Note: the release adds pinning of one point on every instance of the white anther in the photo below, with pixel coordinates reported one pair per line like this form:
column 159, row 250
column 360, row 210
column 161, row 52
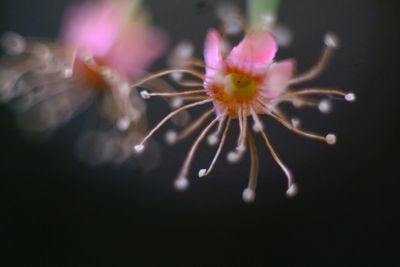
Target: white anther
column 184, row 50
column 212, row 139
column 257, row 127
column 177, row 102
column 233, row 157
column 325, row 106
column 331, row 139
column 350, row 97
column 123, row 123
column 248, row 195
column 145, row 94
column 295, row 122
column 68, row 71
column 331, row 40
column 292, row 191
column 181, row 183
column 139, row 148
column 170, row 137
column 202, row 172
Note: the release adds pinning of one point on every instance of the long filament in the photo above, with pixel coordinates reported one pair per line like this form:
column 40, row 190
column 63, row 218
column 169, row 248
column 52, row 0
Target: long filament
column 278, row 160
column 254, row 162
column 166, row 72
column 319, row 67
column 193, row 126
column 296, row 130
column 176, row 94
column 169, row 116
column 185, row 167
column 220, row 146
column 314, row 91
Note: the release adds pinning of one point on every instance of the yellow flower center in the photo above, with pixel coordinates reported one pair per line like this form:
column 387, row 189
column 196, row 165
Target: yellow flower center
column 239, row 88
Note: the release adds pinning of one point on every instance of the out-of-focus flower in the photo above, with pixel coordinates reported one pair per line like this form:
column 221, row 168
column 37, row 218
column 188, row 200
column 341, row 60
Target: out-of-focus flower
column 103, row 46
column 241, row 84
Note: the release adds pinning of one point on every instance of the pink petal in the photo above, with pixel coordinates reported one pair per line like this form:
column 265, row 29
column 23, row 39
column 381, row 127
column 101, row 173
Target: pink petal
column 92, row 26
column 212, row 51
column 254, row 53
column 277, row 78
column 136, row 49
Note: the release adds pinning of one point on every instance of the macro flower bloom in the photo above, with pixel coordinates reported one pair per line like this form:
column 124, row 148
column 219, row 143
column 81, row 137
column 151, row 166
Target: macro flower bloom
column 103, row 46
column 242, row 85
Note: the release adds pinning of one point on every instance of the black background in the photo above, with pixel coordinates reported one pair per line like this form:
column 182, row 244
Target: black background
column 57, row 211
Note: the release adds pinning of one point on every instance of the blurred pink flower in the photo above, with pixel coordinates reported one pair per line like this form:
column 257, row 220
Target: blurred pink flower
column 104, row 45
column 114, row 33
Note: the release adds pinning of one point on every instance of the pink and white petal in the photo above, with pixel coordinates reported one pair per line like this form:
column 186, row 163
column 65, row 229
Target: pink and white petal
column 212, row 52
column 254, row 53
column 277, row 78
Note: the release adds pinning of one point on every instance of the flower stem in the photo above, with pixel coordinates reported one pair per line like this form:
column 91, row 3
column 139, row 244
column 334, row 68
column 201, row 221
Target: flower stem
column 262, row 13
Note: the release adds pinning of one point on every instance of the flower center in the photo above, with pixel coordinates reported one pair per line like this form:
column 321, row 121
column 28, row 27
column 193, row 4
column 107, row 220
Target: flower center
column 239, row 87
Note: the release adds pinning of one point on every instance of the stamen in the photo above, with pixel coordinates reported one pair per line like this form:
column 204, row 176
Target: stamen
column 166, row 72
column 189, row 83
column 294, row 129
column 194, row 125
column 258, row 125
column 280, row 163
column 331, row 43
column 249, row 193
column 236, row 155
column 214, row 137
column 204, row 172
column 313, row 92
column 186, row 165
column 140, row 146
column 147, row 95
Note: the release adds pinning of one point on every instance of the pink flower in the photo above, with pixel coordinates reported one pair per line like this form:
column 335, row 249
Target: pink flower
column 247, row 76
column 107, row 31
column 243, row 85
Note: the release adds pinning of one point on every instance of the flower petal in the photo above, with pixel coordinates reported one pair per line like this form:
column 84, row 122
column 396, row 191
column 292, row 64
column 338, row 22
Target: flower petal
column 277, row 78
column 212, row 51
column 92, row 26
column 254, row 53
column 135, row 49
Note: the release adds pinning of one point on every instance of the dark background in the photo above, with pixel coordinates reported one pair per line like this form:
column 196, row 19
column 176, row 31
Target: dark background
column 57, row 211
